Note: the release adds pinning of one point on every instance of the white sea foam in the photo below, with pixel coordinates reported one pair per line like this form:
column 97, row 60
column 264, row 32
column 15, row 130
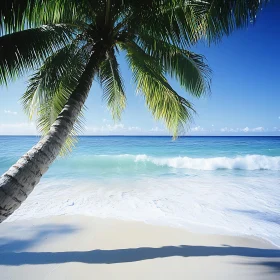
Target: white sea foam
column 212, row 204
column 248, row 162
column 125, row 161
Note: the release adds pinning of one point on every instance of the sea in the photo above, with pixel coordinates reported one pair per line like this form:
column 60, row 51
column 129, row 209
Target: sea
column 215, row 185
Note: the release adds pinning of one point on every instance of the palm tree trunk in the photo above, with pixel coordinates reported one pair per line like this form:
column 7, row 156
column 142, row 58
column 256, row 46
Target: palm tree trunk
column 19, row 181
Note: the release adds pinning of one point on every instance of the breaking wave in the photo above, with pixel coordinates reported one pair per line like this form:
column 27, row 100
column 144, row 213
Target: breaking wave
column 126, row 162
column 248, row 162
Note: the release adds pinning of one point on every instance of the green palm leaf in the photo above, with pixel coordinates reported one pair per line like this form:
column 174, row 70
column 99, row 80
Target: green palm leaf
column 173, row 21
column 112, row 84
column 51, row 86
column 186, row 67
column 223, row 17
column 26, row 50
column 164, row 102
column 19, row 15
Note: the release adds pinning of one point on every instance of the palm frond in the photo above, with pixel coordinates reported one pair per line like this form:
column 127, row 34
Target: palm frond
column 185, row 66
column 26, row 50
column 163, row 101
column 173, row 21
column 223, row 17
column 24, row 14
column 13, row 15
column 112, row 84
column 51, row 86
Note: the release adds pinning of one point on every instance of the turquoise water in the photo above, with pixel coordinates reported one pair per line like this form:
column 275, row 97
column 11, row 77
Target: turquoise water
column 210, row 184
column 95, row 157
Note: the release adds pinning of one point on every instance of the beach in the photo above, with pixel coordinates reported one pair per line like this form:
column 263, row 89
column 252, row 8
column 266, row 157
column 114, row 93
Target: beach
column 117, row 162
column 81, row 247
column 148, row 208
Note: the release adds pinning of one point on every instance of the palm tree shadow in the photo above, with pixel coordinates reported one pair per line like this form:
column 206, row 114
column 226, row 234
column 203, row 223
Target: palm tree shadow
column 132, row 255
column 14, row 252
column 41, row 233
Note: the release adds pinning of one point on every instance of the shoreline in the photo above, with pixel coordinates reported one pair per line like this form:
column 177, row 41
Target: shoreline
column 197, row 207
column 78, row 247
column 192, row 227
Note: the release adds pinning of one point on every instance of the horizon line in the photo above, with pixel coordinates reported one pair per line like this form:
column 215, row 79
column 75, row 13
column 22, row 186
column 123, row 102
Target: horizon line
column 121, row 135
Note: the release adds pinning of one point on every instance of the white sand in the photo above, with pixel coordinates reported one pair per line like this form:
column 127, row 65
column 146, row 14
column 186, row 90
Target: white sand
column 79, row 247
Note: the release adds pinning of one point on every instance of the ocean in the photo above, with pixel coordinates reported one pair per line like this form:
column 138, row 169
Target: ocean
column 224, row 185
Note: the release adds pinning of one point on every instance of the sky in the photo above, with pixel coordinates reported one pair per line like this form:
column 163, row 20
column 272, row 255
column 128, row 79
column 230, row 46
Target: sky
column 244, row 100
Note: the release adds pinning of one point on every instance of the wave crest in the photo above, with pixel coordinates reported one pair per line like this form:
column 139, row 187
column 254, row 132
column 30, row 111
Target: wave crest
column 248, row 162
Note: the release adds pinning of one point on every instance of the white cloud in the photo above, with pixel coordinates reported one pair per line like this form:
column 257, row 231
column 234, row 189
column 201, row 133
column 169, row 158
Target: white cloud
column 275, row 128
column 23, row 128
column 258, row 129
column 134, row 128
column 114, row 127
column 111, row 129
column 227, row 129
column 26, row 128
column 245, row 129
column 10, row 112
column 157, row 129
column 197, row 129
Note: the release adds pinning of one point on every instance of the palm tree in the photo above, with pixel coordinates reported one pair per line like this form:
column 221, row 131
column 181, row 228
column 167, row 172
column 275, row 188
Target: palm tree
column 69, row 43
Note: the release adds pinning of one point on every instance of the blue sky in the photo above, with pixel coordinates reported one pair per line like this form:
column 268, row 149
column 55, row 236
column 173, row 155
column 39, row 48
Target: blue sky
column 244, row 101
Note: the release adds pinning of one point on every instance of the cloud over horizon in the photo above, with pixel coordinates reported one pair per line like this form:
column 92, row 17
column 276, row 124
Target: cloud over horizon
column 20, row 128
column 10, row 112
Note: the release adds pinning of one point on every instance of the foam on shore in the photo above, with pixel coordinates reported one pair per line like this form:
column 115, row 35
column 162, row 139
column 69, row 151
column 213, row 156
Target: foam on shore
column 224, row 204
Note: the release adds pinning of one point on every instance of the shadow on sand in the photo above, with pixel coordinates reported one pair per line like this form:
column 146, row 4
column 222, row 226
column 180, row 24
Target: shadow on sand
column 134, row 255
column 38, row 233
column 14, row 252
